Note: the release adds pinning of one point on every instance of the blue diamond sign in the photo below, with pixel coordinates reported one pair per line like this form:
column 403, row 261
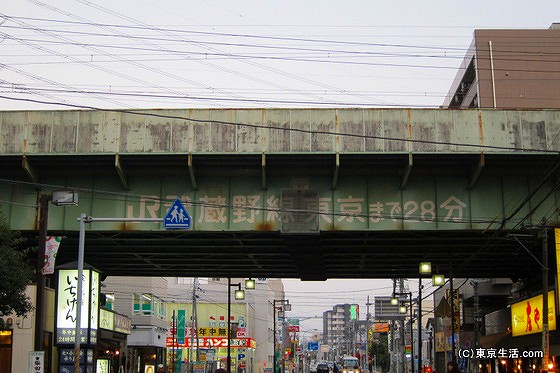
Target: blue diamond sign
column 177, row 217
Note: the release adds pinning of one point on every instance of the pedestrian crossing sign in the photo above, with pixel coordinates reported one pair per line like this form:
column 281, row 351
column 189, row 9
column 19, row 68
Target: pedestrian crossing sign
column 177, row 217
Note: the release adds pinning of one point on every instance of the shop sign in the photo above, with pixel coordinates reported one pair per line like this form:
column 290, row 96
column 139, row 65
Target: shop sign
column 123, row 324
column 106, row 320
column 527, row 316
column 212, row 343
column 199, row 367
column 381, row 327
column 241, row 332
column 67, row 302
column 293, row 328
column 102, row 366
column 113, row 321
column 36, row 360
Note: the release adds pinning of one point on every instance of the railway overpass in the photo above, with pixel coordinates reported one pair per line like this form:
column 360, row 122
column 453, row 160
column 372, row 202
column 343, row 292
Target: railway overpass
column 290, row 193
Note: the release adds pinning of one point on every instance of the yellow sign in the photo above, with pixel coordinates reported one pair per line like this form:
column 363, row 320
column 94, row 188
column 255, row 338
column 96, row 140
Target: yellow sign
column 442, row 342
column 106, row 319
column 527, row 316
column 557, row 244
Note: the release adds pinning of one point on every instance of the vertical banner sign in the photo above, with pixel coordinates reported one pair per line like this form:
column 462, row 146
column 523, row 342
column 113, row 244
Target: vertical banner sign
column 102, row 366
column 354, row 312
column 67, row 301
column 36, row 362
column 557, row 244
column 181, row 326
column 51, row 248
column 94, row 307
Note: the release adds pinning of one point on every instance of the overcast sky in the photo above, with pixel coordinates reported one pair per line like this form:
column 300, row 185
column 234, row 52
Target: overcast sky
column 246, row 53
column 311, row 298
column 124, row 54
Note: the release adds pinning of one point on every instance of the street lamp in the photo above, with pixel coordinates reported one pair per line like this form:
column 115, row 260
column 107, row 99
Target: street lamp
column 284, row 306
column 306, row 360
column 425, row 268
column 402, row 310
column 438, row 280
column 249, row 284
column 58, row 198
column 238, row 295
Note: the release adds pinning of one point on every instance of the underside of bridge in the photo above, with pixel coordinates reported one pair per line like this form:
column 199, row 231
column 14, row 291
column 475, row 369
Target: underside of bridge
column 326, row 254
column 322, row 256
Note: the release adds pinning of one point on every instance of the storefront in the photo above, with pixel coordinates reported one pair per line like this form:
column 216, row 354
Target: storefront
column 6, row 346
column 518, row 347
column 212, row 351
column 110, row 352
column 205, row 347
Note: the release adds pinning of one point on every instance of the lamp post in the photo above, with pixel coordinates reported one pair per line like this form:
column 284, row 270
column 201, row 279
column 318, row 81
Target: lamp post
column 239, row 295
column 437, row 281
column 39, row 303
column 402, row 309
column 306, row 360
column 58, row 198
column 425, row 268
column 475, row 282
column 285, row 306
column 72, row 198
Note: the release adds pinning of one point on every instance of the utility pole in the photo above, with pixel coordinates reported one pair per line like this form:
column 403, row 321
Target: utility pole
column 194, row 323
column 392, row 346
column 452, row 301
column 545, row 332
column 544, row 266
column 475, row 282
column 419, row 321
column 367, row 332
column 174, row 336
column 452, row 292
column 402, row 351
column 476, row 322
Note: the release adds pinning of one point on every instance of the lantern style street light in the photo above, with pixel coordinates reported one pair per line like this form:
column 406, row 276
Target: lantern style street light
column 284, row 305
column 438, row 280
column 425, row 268
column 57, row 198
column 402, row 309
column 239, row 294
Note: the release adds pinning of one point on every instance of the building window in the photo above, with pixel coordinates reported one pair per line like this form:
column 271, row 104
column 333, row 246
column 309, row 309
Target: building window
column 142, row 304
column 148, row 304
column 159, row 308
column 110, row 301
column 184, row 280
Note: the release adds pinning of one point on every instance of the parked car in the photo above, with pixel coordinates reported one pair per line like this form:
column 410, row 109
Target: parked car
column 327, row 367
column 323, row 368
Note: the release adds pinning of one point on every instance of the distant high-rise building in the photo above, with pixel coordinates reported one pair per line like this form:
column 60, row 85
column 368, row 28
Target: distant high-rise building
column 339, row 329
column 509, row 69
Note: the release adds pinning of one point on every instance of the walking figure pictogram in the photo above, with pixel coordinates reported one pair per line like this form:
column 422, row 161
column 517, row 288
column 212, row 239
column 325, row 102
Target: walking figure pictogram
column 177, row 217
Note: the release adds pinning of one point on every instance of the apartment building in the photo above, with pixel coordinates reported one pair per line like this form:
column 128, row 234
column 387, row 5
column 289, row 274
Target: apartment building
column 509, row 69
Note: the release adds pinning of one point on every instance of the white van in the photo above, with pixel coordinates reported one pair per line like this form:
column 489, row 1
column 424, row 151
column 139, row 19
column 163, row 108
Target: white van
column 351, row 364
